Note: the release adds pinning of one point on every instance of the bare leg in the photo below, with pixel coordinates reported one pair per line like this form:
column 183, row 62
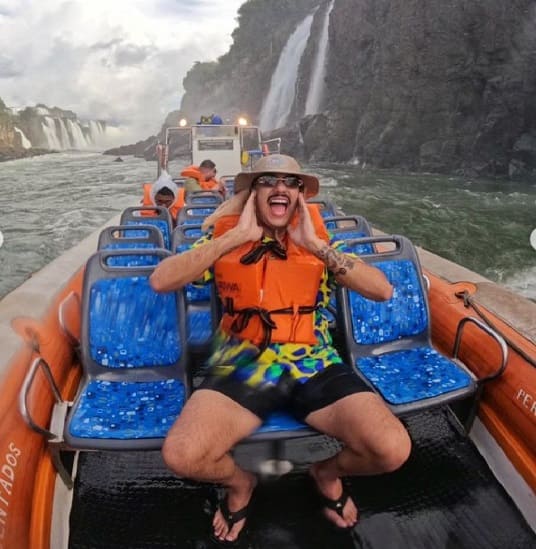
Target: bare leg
column 198, row 444
column 375, row 442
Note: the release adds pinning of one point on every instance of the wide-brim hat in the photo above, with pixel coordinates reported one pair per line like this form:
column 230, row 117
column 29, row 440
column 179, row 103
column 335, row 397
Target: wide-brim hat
column 277, row 163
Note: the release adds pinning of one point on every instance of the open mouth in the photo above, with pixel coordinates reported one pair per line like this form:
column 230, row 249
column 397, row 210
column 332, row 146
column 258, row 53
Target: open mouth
column 278, row 205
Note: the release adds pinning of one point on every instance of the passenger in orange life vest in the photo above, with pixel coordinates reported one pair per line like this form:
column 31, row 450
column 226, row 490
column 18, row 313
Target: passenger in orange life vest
column 164, row 192
column 273, row 267
column 202, row 178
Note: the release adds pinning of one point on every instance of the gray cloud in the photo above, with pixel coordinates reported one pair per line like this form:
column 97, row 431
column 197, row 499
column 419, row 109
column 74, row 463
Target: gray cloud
column 105, row 45
column 105, row 62
column 131, row 54
column 8, row 67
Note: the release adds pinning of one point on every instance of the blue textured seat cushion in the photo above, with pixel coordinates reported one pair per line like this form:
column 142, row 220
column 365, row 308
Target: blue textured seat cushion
column 358, row 249
column 192, row 220
column 281, row 421
column 131, row 260
column 405, row 314
column 195, row 293
column 412, row 375
column 159, row 223
column 203, row 199
column 199, row 211
column 193, row 232
column 131, row 326
column 199, row 326
column 127, row 410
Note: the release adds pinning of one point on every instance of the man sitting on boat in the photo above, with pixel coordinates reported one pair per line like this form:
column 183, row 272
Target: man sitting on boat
column 164, row 192
column 273, row 267
column 202, row 178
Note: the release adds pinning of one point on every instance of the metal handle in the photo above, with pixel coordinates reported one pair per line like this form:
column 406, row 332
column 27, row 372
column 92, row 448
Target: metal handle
column 336, row 218
column 129, row 213
column 105, row 254
column 25, row 389
column 426, row 282
column 498, row 338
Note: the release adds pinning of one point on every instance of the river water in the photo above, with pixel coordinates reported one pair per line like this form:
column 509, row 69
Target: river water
column 49, row 203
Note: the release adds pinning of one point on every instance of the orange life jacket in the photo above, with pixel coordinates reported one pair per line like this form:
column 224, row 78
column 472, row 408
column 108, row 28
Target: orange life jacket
column 270, row 299
column 173, row 209
column 195, row 173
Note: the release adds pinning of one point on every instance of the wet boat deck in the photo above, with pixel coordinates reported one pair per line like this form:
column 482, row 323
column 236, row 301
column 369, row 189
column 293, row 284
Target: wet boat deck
column 445, row 496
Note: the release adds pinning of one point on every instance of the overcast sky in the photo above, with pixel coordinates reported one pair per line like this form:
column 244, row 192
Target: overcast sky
column 117, row 60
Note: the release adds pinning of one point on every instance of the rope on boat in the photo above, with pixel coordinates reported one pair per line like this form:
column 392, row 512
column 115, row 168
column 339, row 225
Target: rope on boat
column 468, row 301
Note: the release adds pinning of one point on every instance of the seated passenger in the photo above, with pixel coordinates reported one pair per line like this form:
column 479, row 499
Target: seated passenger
column 164, row 192
column 202, row 178
column 273, row 266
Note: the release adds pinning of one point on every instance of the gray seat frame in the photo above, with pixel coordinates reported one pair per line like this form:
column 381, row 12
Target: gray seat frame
column 404, row 250
column 109, row 236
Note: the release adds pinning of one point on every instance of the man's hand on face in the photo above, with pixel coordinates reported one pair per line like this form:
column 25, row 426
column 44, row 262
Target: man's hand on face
column 304, row 234
column 247, row 228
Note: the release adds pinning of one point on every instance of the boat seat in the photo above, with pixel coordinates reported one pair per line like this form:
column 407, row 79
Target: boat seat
column 326, row 207
column 203, row 198
column 125, row 237
column 157, row 216
column 133, row 349
column 345, row 228
column 194, row 214
column 191, row 220
column 281, row 425
column 200, row 323
column 228, row 183
column 389, row 342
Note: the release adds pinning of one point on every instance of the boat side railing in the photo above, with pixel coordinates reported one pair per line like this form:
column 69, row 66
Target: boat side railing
column 492, row 333
column 52, row 437
column 471, row 409
column 38, row 362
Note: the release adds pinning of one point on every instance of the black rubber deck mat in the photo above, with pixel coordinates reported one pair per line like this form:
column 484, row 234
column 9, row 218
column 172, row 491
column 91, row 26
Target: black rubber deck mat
column 444, row 497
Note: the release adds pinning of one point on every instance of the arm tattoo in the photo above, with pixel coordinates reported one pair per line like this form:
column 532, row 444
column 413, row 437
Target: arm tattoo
column 337, row 262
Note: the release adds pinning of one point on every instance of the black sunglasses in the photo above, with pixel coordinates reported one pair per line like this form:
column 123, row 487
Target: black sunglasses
column 290, row 181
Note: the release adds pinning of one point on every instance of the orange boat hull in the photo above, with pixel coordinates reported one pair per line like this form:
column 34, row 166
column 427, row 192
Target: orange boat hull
column 27, row 476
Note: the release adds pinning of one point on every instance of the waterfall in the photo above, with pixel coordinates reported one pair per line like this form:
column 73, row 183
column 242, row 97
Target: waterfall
column 26, row 144
column 278, row 103
column 78, row 139
column 318, row 75
column 64, row 135
column 49, row 128
column 95, row 131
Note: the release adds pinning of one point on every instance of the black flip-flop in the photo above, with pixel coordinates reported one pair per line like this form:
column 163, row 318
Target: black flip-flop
column 231, row 518
column 337, row 505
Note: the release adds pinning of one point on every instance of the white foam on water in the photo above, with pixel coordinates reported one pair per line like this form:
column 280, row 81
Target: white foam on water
column 524, row 282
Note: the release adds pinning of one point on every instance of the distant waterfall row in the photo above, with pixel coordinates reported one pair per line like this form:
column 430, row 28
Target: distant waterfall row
column 64, row 133
column 278, row 103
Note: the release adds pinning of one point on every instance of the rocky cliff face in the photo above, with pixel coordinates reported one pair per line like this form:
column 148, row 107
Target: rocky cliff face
column 12, row 142
column 420, row 84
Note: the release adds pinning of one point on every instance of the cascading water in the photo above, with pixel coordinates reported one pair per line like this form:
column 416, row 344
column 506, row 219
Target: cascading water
column 64, row 135
column 318, row 75
column 26, row 144
column 95, row 132
column 49, row 129
column 278, row 103
column 79, row 141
